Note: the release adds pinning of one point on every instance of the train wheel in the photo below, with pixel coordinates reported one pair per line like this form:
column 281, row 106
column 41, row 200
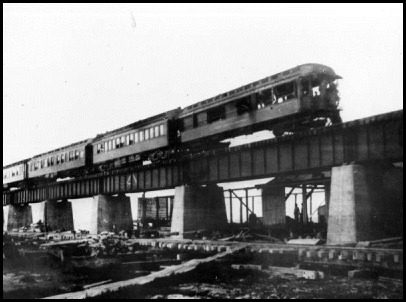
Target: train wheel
column 336, row 119
column 278, row 131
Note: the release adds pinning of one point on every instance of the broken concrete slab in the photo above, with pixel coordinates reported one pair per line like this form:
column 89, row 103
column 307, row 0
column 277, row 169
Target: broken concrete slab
column 276, row 271
column 299, row 273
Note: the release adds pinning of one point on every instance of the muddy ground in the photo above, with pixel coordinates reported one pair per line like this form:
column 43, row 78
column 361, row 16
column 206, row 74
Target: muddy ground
column 41, row 278
column 211, row 282
column 220, row 282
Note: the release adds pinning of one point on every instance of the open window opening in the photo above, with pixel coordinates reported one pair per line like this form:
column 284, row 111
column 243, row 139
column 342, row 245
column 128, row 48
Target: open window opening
column 216, row 114
column 244, row 105
column 265, row 98
column 285, row 92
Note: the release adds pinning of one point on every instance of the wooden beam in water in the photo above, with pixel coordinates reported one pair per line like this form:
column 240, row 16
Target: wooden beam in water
column 173, row 270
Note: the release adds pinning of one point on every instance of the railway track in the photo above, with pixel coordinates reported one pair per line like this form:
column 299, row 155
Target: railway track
column 358, row 256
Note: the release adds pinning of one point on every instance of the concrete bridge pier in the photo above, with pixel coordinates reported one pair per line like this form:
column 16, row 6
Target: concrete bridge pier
column 366, row 203
column 111, row 213
column 58, row 215
column 19, row 216
column 196, row 208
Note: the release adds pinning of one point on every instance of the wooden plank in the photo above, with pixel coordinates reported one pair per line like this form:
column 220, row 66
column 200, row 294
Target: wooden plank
column 304, row 241
column 168, row 272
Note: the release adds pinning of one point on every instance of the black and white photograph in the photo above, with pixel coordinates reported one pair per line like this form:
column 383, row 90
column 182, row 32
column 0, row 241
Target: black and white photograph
column 202, row 151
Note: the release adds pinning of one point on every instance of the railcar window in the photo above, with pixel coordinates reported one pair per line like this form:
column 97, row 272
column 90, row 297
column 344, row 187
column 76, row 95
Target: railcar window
column 188, row 123
column 136, row 137
column 195, row 121
column 161, row 130
column 151, row 133
column 156, row 131
column 131, row 139
column 117, row 142
column 146, row 134
column 52, row 161
column 81, row 154
column 106, row 146
column 113, row 144
column 285, row 92
column 141, row 136
column 76, row 154
column 216, row 114
column 62, row 158
column 122, row 141
column 265, row 97
column 127, row 140
column 58, row 159
column 109, row 145
column 243, row 105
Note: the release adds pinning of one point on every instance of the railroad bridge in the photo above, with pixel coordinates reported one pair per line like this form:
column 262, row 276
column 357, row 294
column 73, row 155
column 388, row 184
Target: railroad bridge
column 352, row 161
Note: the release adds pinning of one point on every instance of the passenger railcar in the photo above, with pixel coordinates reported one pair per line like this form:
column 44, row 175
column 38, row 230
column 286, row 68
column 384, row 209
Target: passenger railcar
column 301, row 97
column 15, row 173
column 142, row 140
column 61, row 162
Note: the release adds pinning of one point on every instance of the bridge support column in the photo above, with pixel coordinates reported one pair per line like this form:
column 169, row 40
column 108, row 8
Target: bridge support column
column 58, row 215
column 197, row 208
column 19, row 216
column 273, row 205
column 365, row 203
column 111, row 213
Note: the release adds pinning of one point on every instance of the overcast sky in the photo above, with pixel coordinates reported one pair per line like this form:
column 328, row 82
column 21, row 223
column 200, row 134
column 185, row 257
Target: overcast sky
column 71, row 71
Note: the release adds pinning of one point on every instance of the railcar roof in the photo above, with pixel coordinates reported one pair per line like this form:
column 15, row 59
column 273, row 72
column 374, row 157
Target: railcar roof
column 16, row 163
column 298, row 71
column 162, row 116
column 84, row 142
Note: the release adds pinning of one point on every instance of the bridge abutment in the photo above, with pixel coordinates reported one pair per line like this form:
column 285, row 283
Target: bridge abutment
column 111, row 213
column 364, row 203
column 58, row 215
column 197, row 208
column 19, row 216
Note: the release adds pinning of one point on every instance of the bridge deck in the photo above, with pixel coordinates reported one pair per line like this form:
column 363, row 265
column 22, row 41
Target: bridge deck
column 376, row 138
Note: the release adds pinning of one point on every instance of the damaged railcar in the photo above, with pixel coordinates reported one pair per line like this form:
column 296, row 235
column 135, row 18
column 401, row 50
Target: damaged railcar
column 299, row 98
